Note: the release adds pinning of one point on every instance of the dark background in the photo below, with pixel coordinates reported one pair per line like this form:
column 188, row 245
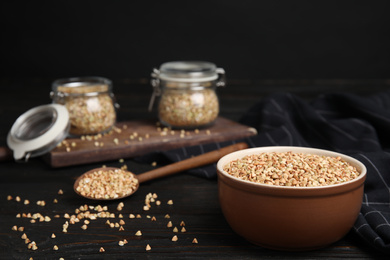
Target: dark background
column 305, row 47
column 282, row 39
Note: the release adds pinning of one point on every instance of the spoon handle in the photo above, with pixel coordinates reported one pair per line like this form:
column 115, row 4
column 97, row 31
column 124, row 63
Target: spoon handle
column 190, row 163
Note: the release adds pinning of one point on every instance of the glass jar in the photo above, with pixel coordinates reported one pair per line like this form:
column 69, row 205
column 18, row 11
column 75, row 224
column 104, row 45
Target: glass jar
column 89, row 101
column 187, row 93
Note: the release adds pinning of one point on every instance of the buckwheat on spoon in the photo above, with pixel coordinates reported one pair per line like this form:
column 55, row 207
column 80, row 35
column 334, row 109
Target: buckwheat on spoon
column 113, row 183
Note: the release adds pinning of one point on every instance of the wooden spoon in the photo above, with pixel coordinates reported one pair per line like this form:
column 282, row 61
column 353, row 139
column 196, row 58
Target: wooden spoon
column 193, row 162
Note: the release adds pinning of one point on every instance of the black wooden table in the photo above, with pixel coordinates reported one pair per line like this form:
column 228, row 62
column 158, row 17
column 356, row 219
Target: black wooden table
column 195, row 200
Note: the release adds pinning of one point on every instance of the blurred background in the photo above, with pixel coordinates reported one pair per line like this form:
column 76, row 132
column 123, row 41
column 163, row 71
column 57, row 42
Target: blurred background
column 280, row 39
column 304, row 47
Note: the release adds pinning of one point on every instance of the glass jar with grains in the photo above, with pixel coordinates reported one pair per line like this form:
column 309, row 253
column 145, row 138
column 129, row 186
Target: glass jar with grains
column 187, row 93
column 89, row 101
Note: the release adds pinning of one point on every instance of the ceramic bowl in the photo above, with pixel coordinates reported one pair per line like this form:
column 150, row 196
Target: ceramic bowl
column 290, row 218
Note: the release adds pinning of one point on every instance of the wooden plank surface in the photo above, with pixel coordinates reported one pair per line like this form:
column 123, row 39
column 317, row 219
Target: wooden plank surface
column 134, row 138
column 195, row 199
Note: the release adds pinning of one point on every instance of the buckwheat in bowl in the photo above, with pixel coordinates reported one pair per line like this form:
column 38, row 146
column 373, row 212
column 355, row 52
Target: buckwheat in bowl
column 290, row 198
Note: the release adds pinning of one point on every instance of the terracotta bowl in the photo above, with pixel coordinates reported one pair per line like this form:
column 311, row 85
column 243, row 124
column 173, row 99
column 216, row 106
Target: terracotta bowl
column 290, row 218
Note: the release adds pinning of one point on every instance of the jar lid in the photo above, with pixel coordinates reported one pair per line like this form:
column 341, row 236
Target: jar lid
column 38, row 131
column 84, row 86
column 188, row 71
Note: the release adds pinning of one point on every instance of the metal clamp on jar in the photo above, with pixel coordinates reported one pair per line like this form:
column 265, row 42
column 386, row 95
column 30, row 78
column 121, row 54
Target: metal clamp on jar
column 187, row 91
column 90, row 103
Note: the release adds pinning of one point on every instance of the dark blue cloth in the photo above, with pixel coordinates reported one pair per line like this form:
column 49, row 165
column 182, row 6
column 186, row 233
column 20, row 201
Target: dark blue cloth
column 350, row 124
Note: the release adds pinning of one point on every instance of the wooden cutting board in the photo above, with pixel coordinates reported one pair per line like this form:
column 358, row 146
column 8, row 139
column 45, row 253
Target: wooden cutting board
column 134, row 138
